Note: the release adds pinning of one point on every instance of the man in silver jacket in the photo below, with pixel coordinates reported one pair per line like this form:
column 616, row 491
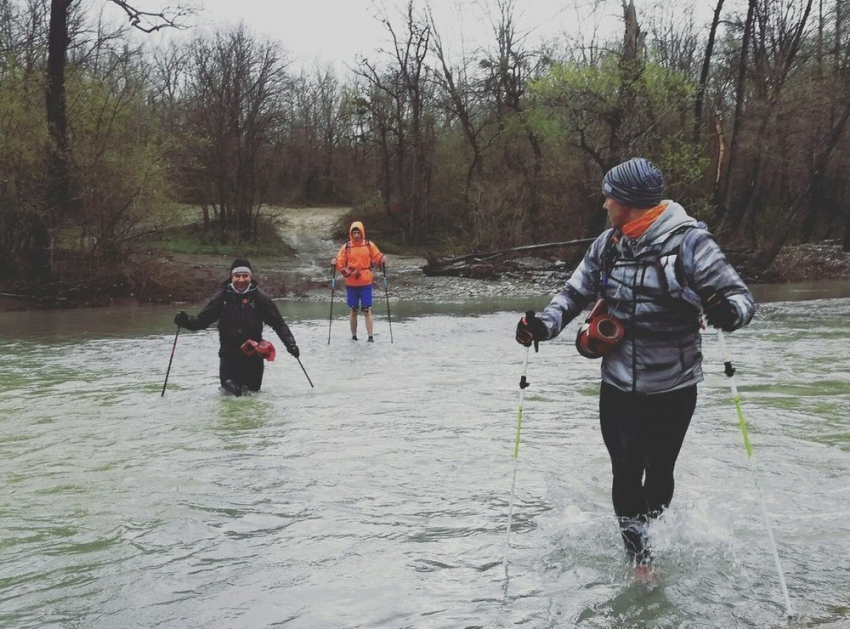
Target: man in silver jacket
column 656, row 271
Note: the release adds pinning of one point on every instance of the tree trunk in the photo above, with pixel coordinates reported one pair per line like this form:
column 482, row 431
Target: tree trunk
column 58, row 169
column 821, row 162
column 206, row 214
column 740, row 93
column 703, row 79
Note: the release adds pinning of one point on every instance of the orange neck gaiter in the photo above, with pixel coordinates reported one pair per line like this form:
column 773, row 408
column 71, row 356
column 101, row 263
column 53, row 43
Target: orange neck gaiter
column 638, row 227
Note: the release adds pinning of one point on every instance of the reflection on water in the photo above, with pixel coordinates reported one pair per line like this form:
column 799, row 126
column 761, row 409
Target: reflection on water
column 77, row 325
column 379, row 498
column 798, row 291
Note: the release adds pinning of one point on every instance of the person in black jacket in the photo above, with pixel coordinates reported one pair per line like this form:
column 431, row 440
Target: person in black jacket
column 241, row 309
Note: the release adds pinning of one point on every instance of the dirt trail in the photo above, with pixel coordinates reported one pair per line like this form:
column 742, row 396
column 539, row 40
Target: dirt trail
column 306, row 274
column 191, row 279
column 309, row 232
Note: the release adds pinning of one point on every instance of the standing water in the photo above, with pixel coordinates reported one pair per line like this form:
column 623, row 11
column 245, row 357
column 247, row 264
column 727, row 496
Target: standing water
column 380, row 497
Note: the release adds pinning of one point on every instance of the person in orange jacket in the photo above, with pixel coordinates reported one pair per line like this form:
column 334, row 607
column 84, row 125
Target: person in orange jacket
column 354, row 262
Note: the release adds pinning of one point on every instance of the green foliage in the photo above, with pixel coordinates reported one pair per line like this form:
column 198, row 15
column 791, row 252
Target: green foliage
column 23, row 138
column 684, row 169
column 118, row 156
column 220, row 124
column 589, row 102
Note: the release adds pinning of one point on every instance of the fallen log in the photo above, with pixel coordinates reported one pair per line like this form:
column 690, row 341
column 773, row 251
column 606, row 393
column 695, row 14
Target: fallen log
column 460, row 265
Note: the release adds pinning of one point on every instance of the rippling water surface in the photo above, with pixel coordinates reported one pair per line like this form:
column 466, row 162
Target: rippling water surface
column 379, row 498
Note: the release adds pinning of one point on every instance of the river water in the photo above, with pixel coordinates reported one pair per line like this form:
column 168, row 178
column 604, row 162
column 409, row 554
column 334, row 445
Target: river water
column 379, row 498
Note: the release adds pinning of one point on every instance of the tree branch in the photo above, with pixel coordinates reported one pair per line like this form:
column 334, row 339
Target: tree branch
column 149, row 22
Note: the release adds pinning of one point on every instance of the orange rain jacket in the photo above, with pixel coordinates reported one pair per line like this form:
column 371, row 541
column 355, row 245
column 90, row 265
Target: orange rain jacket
column 355, row 260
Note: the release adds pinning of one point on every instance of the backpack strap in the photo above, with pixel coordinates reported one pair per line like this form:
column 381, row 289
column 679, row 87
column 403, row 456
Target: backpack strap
column 348, row 251
column 608, row 259
column 694, row 234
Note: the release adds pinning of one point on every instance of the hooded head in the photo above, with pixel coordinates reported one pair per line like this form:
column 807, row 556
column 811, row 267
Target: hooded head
column 356, row 225
column 637, row 183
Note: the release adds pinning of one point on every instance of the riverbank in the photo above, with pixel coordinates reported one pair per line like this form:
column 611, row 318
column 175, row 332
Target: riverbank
column 190, row 279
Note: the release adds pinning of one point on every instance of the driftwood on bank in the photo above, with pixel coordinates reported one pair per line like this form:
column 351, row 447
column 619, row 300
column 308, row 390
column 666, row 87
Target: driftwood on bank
column 482, row 263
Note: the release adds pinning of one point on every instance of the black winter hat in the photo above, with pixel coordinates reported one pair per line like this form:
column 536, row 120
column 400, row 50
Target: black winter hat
column 241, row 265
column 637, row 183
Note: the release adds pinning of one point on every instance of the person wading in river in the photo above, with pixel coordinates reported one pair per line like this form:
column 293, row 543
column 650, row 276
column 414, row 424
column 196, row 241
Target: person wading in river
column 241, row 309
column 653, row 272
column 355, row 261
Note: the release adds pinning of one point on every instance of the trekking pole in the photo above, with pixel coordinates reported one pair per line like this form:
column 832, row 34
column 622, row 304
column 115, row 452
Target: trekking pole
column 729, row 370
column 305, row 373
column 168, row 371
column 387, row 295
column 523, row 385
column 331, row 316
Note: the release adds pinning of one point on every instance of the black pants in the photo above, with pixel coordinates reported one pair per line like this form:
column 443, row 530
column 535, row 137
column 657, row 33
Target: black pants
column 643, row 434
column 242, row 370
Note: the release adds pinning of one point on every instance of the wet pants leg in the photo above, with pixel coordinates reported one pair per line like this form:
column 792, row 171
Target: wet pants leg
column 242, row 370
column 643, row 434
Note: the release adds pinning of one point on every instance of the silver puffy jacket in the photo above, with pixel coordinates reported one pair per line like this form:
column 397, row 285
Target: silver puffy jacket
column 654, row 284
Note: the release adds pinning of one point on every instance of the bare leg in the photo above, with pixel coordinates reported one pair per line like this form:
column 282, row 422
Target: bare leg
column 352, row 320
column 370, row 323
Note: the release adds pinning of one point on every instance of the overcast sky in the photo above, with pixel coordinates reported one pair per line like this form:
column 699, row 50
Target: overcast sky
column 336, row 31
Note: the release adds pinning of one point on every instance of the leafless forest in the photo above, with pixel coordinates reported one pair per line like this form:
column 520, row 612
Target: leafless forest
column 504, row 145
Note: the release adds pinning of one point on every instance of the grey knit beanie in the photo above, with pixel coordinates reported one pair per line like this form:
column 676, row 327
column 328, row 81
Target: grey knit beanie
column 637, row 183
column 241, row 265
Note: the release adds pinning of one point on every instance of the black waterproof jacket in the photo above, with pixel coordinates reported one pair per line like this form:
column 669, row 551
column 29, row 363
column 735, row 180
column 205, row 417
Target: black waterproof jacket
column 241, row 317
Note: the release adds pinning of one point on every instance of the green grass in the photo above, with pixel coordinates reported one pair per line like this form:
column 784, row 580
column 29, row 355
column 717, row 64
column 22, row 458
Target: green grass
column 190, row 239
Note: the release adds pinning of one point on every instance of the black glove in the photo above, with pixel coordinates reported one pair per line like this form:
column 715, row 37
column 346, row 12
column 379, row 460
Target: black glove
column 293, row 349
column 530, row 330
column 181, row 319
column 720, row 313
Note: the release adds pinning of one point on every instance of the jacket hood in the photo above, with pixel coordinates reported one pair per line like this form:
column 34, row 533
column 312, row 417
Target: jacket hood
column 673, row 217
column 358, row 225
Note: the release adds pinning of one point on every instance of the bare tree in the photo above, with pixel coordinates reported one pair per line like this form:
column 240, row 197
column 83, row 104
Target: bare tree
column 703, row 77
column 234, row 124
column 405, row 86
column 509, row 67
column 777, row 36
column 465, row 104
column 59, row 175
column 316, row 133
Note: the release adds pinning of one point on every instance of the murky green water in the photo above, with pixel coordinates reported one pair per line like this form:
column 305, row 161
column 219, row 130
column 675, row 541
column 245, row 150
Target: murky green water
column 379, row 498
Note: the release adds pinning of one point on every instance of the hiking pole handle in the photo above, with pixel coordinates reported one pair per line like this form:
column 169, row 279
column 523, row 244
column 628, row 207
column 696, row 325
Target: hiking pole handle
column 168, row 371
column 529, row 314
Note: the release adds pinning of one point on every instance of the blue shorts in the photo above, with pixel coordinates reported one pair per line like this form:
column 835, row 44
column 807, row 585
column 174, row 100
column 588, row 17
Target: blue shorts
column 358, row 296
